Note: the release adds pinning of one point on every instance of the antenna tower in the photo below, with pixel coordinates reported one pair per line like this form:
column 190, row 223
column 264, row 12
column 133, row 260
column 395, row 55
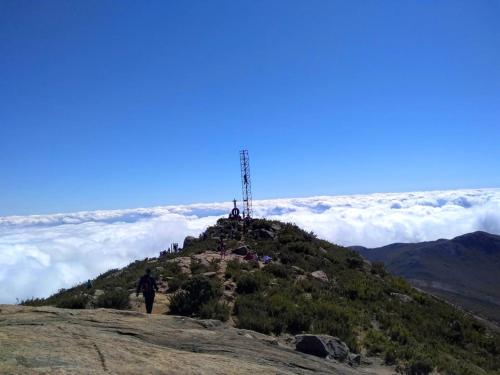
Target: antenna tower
column 246, row 184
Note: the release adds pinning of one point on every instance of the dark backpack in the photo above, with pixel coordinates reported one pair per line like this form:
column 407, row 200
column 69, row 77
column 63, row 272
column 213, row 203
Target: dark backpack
column 147, row 284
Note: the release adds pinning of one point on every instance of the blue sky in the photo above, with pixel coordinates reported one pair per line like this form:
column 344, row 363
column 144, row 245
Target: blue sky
column 115, row 104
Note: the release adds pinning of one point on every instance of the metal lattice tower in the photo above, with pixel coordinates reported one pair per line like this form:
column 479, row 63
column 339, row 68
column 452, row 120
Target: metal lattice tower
column 246, row 184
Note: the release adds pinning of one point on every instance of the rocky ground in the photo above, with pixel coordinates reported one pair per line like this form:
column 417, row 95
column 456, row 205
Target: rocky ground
column 48, row 340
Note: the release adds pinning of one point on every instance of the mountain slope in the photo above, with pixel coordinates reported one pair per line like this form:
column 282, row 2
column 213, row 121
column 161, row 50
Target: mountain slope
column 311, row 286
column 49, row 340
column 464, row 270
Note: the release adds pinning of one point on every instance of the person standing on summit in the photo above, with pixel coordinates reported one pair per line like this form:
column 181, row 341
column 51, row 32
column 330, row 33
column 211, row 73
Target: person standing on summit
column 147, row 285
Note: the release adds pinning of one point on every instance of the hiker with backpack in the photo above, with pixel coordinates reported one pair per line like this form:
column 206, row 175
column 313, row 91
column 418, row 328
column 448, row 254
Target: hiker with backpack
column 147, row 284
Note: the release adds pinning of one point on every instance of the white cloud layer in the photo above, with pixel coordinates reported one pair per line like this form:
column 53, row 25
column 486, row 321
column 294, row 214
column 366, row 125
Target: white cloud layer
column 40, row 254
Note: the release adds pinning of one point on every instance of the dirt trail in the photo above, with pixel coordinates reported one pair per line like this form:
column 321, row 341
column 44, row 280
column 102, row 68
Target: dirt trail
column 162, row 298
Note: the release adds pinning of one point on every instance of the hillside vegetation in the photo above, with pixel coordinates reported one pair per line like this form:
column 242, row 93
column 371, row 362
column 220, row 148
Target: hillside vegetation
column 464, row 270
column 310, row 286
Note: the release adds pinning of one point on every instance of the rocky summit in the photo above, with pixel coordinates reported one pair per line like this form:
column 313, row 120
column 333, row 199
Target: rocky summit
column 49, row 340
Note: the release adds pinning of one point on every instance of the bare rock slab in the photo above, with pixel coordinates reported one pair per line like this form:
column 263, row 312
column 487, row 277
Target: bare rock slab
column 48, row 340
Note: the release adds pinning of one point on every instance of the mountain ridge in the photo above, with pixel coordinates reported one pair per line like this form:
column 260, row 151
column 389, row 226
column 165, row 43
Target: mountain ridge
column 463, row 270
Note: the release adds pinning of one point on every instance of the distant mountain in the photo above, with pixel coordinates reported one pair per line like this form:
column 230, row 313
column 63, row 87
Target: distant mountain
column 464, row 270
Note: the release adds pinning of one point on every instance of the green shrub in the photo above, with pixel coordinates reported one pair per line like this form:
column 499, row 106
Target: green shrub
column 492, row 346
column 215, row 310
column 177, row 282
column 400, row 285
column 73, row 302
column 278, row 270
column 171, row 269
column 251, row 316
column 116, row 299
column 276, row 313
column 251, row 265
column 195, row 292
column 310, row 236
column 390, row 357
column 261, row 224
column 455, row 333
column 378, row 268
column 298, row 320
column 197, row 267
column 333, row 319
column 355, row 262
column 285, row 238
column 107, row 273
column 214, row 265
column 233, row 269
column 250, row 283
column 312, row 286
column 362, row 289
column 420, row 367
column 399, row 334
column 181, row 304
column 376, row 342
column 33, row 302
column 294, row 259
column 301, row 247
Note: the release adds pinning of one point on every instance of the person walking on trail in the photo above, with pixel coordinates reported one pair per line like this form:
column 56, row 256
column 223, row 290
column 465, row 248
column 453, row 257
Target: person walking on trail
column 222, row 248
column 147, row 285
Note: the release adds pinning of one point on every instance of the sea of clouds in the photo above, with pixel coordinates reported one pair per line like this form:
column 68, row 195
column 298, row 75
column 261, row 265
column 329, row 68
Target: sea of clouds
column 40, row 254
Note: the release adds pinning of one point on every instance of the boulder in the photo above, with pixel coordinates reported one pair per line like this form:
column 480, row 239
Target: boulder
column 188, row 241
column 242, row 250
column 209, row 274
column 354, row 359
column 339, row 349
column 266, row 234
column 184, row 263
column 320, row 275
column 312, row 344
column 402, row 297
column 202, row 260
column 300, row 278
column 323, row 346
column 276, row 227
column 228, row 295
column 98, row 292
